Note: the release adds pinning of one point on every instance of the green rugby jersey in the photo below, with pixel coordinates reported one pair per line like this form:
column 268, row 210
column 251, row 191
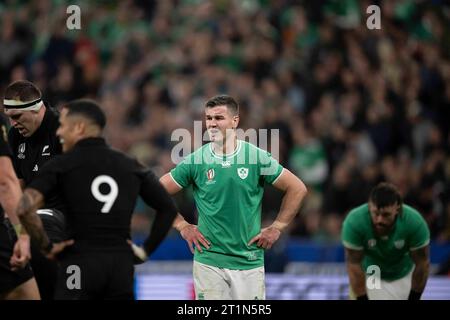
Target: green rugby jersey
column 390, row 253
column 228, row 190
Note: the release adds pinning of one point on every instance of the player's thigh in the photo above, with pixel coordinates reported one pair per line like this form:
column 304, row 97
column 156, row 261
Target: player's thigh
column 9, row 280
column 210, row 283
column 25, row 291
column 248, row 284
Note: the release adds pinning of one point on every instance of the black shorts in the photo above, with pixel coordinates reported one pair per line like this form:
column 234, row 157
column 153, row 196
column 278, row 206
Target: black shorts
column 10, row 279
column 45, row 270
column 96, row 276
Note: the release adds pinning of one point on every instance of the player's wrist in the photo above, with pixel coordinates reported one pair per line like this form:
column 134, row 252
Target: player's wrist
column 181, row 225
column 414, row 295
column 280, row 226
column 140, row 254
column 18, row 229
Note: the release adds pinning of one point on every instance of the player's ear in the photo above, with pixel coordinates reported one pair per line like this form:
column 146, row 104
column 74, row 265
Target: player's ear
column 79, row 127
column 236, row 121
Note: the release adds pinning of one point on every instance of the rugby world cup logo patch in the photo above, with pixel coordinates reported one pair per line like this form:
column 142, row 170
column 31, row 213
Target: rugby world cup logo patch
column 21, row 151
column 210, row 176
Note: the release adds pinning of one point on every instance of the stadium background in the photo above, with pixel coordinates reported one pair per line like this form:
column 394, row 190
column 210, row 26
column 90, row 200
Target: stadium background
column 354, row 106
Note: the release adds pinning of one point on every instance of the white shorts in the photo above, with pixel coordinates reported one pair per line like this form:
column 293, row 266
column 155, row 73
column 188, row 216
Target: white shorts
column 391, row 290
column 212, row 283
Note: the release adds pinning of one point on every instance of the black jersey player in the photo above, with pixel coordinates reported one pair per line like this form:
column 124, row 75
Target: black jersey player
column 33, row 142
column 19, row 283
column 99, row 187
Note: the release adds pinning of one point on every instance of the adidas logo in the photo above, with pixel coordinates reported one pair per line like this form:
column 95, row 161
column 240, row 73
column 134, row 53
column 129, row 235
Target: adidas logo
column 35, row 167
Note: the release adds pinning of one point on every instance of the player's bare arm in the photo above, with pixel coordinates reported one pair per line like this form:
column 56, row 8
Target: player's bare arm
column 9, row 197
column 421, row 258
column 26, row 210
column 356, row 274
column 31, row 201
column 188, row 231
column 9, row 190
column 294, row 192
column 169, row 184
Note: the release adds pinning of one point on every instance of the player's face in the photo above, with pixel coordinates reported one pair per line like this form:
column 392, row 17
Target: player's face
column 26, row 122
column 220, row 123
column 66, row 132
column 383, row 218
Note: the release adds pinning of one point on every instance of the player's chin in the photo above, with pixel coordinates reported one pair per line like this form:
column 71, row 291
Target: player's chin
column 217, row 138
column 65, row 147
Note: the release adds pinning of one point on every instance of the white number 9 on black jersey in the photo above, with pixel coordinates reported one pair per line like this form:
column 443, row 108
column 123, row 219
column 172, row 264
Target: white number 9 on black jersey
column 107, row 198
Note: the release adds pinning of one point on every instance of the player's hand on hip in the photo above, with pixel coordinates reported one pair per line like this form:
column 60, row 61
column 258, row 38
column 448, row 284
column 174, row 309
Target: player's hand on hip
column 21, row 253
column 194, row 238
column 139, row 254
column 266, row 238
column 57, row 248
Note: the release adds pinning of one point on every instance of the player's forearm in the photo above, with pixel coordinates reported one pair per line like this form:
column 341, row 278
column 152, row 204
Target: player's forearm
column 357, row 279
column 290, row 205
column 26, row 211
column 9, row 197
column 161, row 226
column 420, row 276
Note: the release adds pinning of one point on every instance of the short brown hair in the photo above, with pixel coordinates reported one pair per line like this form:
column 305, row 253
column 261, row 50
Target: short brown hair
column 22, row 90
column 224, row 100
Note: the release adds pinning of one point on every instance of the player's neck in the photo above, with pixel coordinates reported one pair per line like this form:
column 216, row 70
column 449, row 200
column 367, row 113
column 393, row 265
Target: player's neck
column 227, row 147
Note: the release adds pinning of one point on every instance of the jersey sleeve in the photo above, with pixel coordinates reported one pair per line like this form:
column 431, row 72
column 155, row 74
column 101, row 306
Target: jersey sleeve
column 153, row 192
column 420, row 233
column 351, row 239
column 183, row 173
column 270, row 169
column 47, row 178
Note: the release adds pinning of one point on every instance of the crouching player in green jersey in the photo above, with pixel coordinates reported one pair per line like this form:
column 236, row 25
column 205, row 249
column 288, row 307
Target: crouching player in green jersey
column 228, row 177
column 386, row 248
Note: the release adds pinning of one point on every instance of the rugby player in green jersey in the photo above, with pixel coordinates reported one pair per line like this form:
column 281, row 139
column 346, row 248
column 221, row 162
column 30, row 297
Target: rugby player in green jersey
column 228, row 176
column 388, row 240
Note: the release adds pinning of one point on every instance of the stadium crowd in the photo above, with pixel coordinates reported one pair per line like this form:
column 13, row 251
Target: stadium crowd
column 354, row 106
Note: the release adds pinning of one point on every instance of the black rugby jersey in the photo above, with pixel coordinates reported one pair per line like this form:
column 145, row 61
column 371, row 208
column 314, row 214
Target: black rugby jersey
column 30, row 154
column 99, row 187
